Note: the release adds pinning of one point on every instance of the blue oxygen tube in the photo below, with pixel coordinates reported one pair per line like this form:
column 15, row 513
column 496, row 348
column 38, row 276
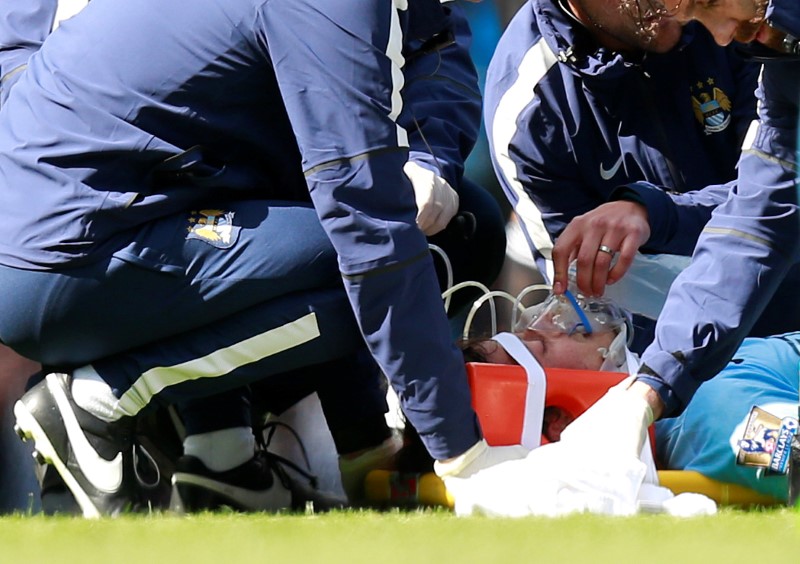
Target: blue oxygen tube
column 587, row 326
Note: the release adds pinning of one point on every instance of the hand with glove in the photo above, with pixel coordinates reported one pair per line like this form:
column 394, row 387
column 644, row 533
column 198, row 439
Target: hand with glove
column 437, row 202
column 459, row 473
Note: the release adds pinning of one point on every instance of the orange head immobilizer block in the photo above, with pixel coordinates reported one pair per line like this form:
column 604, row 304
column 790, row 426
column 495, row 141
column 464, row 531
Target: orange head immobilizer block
column 504, row 404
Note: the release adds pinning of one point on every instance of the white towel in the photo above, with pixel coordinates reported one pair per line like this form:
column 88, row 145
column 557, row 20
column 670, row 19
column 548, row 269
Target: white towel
column 557, row 479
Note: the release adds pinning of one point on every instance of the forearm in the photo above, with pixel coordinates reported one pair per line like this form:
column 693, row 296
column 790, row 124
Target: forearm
column 353, row 162
column 650, row 395
column 442, row 98
column 742, row 256
column 676, row 220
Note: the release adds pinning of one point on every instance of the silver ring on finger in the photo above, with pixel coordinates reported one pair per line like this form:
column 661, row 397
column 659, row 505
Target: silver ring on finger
column 606, row 249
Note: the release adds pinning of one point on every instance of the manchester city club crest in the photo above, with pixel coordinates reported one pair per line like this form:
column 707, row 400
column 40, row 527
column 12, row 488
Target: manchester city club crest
column 214, row 227
column 711, row 106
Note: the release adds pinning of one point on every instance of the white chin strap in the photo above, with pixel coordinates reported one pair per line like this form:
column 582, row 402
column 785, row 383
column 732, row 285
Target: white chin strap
column 531, row 436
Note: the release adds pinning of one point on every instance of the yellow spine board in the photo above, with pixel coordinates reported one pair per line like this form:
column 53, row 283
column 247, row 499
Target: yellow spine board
column 384, row 487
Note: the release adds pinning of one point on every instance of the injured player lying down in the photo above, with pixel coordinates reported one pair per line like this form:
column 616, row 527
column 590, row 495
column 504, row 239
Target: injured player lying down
column 579, row 473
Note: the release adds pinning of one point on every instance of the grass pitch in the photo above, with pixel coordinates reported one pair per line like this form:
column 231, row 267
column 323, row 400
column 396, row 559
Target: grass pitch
column 409, row 537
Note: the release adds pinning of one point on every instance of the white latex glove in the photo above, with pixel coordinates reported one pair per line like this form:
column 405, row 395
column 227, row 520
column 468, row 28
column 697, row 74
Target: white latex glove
column 437, row 202
column 479, row 457
column 458, row 474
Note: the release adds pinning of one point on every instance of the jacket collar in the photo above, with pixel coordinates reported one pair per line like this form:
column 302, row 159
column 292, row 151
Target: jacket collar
column 574, row 45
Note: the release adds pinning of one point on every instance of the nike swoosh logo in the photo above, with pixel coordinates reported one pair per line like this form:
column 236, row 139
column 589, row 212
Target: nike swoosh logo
column 609, row 174
column 105, row 475
column 273, row 499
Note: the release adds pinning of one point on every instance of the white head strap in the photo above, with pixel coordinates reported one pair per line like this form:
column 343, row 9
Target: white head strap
column 531, row 436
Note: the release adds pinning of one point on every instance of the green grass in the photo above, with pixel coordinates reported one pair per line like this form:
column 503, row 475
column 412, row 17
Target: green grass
column 408, row 537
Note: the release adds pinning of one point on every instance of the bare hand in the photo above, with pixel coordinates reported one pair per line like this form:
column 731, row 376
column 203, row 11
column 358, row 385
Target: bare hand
column 650, row 396
column 615, row 229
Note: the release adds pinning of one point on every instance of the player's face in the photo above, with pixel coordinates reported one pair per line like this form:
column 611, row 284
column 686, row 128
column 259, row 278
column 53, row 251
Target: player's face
column 728, row 20
column 555, row 350
column 632, row 24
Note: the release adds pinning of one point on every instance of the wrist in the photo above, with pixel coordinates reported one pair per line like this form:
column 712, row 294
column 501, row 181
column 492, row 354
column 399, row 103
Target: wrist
column 652, row 398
